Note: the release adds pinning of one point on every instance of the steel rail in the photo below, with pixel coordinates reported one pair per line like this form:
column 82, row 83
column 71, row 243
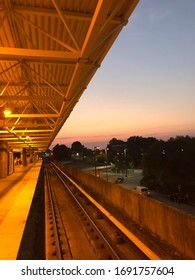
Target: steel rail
column 116, row 256
column 54, row 222
column 129, row 235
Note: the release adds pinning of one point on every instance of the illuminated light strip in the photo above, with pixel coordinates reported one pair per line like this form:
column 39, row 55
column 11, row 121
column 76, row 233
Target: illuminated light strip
column 149, row 253
column 33, row 116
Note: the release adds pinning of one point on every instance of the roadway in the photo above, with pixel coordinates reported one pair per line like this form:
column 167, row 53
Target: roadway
column 133, row 179
column 130, row 182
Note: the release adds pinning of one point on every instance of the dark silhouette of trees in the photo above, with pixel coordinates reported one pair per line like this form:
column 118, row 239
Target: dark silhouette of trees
column 136, row 148
column 116, row 153
column 77, row 147
column 130, row 152
column 87, row 154
column 116, row 144
column 169, row 166
column 79, row 151
column 61, row 152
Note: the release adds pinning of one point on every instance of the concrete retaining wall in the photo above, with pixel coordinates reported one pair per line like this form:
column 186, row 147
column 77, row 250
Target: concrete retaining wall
column 171, row 225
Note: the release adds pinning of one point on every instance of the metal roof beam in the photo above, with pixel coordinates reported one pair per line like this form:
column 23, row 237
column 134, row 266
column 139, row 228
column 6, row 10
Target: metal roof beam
column 9, row 68
column 63, row 19
column 31, row 98
column 31, row 85
column 30, row 125
column 38, row 55
column 47, row 34
column 31, row 130
column 52, row 13
column 42, row 78
column 39, row 139
column 99, row 18
column 33, row 116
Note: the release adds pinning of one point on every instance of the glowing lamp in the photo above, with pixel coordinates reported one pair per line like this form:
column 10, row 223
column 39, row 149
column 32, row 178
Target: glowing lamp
column 7, row 112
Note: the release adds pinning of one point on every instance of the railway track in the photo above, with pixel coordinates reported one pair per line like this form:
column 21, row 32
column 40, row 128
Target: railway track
column 77, row 227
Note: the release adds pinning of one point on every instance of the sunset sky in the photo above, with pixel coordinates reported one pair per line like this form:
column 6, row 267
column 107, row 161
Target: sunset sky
column 145, row 85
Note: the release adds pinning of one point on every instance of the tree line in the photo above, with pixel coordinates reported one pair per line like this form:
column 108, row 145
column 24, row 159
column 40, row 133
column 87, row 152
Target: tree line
column 168, row 166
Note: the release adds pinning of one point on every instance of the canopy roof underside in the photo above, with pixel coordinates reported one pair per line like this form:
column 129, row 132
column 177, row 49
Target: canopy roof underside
column 49, row 52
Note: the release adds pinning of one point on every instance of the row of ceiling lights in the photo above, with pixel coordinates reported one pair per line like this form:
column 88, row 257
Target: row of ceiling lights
column 6, row 111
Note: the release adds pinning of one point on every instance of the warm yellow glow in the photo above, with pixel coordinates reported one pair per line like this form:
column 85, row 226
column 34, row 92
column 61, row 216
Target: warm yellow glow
column 7, row 112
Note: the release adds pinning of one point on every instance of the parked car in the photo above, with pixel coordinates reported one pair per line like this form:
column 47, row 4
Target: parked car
column 119, row 180
column 179, row 197
column 142, row 190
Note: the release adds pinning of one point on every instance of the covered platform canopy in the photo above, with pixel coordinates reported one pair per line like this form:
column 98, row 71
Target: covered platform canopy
column 49, row 52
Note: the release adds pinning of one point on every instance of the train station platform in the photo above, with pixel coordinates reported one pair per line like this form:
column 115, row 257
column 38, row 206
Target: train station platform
column 16, row 194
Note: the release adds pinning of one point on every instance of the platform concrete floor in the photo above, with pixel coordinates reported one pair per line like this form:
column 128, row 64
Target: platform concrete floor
column 16, row 193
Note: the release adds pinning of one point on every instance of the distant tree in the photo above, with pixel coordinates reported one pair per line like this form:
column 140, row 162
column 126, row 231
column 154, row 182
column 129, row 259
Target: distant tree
column 115, row 151
column 61, row 152
column 79, row 151
column 153, row 165
column 77, row 147
column 170, row 164
column 88, row 154
column 129, row 153
column 137, row 147
column 116, row 144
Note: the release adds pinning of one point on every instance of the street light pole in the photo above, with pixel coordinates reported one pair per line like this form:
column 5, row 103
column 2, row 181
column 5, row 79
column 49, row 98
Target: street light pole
column 125, row 153
column 106, row 154
column 95, row 149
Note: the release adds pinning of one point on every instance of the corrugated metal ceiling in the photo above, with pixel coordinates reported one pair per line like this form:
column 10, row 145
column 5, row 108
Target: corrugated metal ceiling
column 49, row 51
